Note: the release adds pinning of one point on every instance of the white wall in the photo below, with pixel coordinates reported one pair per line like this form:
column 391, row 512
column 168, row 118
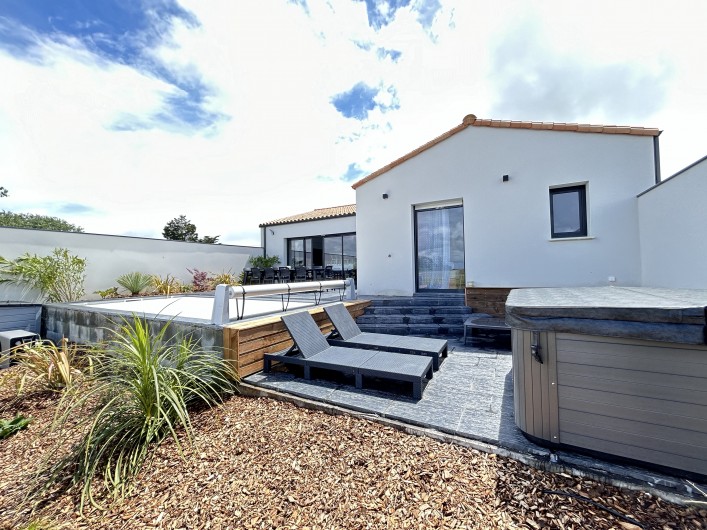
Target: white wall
column 276, row 244
column 111, row 256
column 673, row 221
column 507, row 225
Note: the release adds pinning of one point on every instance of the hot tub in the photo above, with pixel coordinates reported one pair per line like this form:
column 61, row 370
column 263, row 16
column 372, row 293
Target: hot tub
column 615, row 370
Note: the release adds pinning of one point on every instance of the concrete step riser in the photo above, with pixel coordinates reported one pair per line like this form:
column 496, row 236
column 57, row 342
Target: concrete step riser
column 411, row 319
column 400, row 329
column 441, row 310
column 408, row 302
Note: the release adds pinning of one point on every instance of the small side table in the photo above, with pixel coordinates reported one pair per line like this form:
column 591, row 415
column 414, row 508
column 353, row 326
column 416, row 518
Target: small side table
column 483, row 321
column 10, row 339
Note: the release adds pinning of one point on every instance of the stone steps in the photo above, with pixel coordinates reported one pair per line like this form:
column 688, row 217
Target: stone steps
column 417, row 315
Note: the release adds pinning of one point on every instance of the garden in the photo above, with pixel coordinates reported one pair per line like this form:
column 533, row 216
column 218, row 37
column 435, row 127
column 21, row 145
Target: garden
column 145, row 432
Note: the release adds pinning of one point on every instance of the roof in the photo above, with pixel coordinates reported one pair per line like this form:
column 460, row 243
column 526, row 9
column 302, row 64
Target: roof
column 315, row 215
column 471, row 120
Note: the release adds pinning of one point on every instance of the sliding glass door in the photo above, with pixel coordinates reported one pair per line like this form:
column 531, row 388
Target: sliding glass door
column 439, row 248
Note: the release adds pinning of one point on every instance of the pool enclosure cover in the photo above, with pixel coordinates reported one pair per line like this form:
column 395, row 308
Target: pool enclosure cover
column 665, row 315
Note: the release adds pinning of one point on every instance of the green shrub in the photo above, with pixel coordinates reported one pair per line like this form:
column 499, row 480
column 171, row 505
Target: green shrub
column 142, row 388
column 58, row 277
column 111, row 292
column 264, row 261
column 167, row 285
column 134, row 282
column 225, row 277
column 10, row 427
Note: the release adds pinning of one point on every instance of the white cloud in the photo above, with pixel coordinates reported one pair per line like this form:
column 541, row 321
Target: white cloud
column 271, row 68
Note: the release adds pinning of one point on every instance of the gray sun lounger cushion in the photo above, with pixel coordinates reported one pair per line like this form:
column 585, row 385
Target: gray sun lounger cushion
column 349, row 335
column 315, row 352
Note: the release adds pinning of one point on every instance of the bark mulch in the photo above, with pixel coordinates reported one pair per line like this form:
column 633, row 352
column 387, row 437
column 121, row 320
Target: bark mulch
column 260, row 463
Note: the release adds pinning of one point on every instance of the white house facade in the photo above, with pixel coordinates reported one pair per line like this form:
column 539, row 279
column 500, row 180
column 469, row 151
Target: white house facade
column 319, row 238
column 673, row 217
column 497, row 204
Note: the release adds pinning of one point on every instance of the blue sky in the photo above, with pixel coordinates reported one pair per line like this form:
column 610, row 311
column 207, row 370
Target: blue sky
column 121, row 115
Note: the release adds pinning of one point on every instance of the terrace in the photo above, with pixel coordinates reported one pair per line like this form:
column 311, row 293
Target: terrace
column 469, row 402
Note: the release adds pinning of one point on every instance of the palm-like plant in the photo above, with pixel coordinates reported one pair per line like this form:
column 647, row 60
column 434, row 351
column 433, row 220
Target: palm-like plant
column 142, row 388
column 135, row 282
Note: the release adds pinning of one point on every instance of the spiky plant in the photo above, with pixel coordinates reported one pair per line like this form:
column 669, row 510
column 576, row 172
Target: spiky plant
column 135, row 282
column 142, row 388
column 43, row 362
column 167, row 285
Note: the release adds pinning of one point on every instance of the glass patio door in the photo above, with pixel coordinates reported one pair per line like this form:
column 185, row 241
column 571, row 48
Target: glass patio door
column 439, row 249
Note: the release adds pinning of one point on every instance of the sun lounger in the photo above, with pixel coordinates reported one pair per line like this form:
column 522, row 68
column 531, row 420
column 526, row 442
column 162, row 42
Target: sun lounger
column 313, row 351
column 348, row 335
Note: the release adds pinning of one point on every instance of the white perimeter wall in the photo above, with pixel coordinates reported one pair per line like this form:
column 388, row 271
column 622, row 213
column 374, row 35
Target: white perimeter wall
column 276, row 244
column 673, row 220
column 507, row 225
column 111, row 256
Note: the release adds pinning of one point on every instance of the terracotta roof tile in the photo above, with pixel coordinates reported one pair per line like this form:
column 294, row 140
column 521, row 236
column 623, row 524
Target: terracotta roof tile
column 314, row 215
column 472, row 120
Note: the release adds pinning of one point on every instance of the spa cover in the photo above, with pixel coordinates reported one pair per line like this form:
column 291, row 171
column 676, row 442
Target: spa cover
column 666, row 315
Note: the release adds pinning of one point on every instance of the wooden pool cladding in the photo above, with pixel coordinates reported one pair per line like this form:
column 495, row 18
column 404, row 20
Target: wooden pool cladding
column 245, row 342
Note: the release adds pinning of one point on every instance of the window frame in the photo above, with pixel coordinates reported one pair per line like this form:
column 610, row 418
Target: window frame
column 581, row 190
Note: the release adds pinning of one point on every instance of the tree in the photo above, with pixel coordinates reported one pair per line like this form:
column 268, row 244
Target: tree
column 3, row 192
column 182, row 229
column 38, row 222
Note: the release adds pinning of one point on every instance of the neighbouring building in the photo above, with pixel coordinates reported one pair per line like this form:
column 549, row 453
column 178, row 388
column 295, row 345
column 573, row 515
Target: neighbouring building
column 672, row 219
column 503, row 204
column 319, row 238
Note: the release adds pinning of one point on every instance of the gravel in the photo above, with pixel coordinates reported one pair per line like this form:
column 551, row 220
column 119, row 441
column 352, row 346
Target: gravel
column 260, row 463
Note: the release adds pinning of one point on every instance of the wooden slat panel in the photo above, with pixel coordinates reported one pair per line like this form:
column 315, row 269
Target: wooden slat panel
column 544, row 386
column 648, row 435
column 518, row 379
column 693, row 464
column 528, row 386
column 599, row 347
column 605, row 384
column 553, row 408
column 675, row 366
column 633, row 375
column 674, row 418
column 599, row 399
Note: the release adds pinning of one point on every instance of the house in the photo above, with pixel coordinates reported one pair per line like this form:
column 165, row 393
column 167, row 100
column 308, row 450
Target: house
column 672, row 219
column 321, row 237
column 492, row 205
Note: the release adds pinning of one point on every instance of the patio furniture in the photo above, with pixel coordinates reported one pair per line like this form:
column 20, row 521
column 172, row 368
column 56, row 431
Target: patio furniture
column 313, row 351
column 349, row 335
column 284, row 274
column 268, row 275
column 328, row 272
column 483, row 321
column 300, row 274
column 254, row 275
column 317, row 274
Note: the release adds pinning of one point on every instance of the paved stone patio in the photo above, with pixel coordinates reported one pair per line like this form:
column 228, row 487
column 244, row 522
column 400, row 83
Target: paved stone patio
column 470, row 396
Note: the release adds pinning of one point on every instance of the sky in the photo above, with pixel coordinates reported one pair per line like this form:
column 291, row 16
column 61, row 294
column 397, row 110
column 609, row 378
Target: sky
column 120, row 115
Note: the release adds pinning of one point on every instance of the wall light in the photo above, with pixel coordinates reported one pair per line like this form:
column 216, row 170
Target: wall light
column 272, row 231
column 505, row 178
column 385, row 196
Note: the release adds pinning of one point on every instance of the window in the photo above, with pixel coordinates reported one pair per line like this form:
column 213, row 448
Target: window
column 568, row 211
column 337, row 251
